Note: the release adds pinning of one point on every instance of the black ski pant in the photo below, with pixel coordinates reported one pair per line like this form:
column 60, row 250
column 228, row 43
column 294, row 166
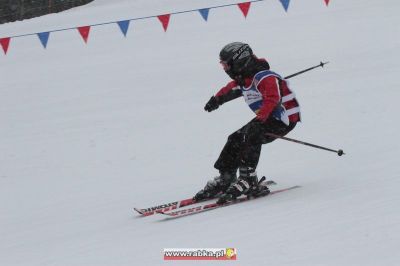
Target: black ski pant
column 243, row 147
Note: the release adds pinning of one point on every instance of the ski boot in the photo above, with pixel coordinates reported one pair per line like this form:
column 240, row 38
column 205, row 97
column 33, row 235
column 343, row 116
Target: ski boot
column 217, row 185
column 260, row 190
column 247, row 184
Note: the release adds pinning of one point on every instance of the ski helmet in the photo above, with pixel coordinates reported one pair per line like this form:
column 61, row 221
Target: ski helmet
column 235, row 58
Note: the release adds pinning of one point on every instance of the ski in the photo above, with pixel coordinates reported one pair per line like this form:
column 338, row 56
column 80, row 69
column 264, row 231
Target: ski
column 214, row 205
column 166, row 207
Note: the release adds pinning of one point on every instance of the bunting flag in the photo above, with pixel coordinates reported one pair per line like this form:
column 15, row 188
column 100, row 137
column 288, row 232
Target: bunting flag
column 5, row 42
column 285, row 4
column 124, row 26
column 84, row 31
column 244, row 7
column 204, row 13
column 164, row 19
column 44, row 38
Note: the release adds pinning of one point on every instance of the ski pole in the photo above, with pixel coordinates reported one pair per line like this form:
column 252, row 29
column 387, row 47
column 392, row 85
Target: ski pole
column 339, row 152
column 306, row 70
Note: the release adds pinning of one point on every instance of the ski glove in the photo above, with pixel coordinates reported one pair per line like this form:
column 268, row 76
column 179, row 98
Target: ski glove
column 212, row 104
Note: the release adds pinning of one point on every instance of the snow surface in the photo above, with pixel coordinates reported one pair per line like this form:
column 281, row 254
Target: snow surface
column 90, row 131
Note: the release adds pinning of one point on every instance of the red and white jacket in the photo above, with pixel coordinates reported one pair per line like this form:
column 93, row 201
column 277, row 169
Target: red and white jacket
column 267, row 94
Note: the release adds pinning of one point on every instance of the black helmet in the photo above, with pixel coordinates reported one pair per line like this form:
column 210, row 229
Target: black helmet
column 236, row 57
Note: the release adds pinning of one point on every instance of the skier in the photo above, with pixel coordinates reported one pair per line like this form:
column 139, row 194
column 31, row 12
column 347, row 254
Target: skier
column 277, row 111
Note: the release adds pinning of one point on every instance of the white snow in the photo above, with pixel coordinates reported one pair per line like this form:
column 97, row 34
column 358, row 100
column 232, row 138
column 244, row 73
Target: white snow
column 90, row 131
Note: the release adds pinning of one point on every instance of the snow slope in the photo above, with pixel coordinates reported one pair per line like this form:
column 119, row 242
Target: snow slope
column 90, row 131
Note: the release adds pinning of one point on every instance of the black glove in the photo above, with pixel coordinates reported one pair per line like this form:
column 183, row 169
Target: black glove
column 212, row 104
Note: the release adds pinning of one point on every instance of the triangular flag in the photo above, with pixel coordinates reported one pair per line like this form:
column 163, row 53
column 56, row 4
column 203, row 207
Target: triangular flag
column 124, row 26
column 84, row 31
column 285, row 4
column 244, row 7
column 164, row 19
column 5, row 42
column 44, row 38
column 204, row 13
column 327, row 2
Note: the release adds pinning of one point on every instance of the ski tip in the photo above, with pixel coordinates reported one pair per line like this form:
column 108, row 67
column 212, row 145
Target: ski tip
column 139, row 211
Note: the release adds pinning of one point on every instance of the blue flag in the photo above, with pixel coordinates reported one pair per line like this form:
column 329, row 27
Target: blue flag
column 285, row 4
column 204, row 13
column 44, row 38
column 124, row 26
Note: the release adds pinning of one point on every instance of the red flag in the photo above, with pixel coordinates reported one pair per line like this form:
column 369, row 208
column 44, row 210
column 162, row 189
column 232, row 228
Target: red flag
column 244, row 7
column 327, row 2
column 84, row 31
column 5, row 42
column 164, row 19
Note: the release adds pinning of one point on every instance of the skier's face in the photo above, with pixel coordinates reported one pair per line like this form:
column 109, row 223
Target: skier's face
column 225, row 65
